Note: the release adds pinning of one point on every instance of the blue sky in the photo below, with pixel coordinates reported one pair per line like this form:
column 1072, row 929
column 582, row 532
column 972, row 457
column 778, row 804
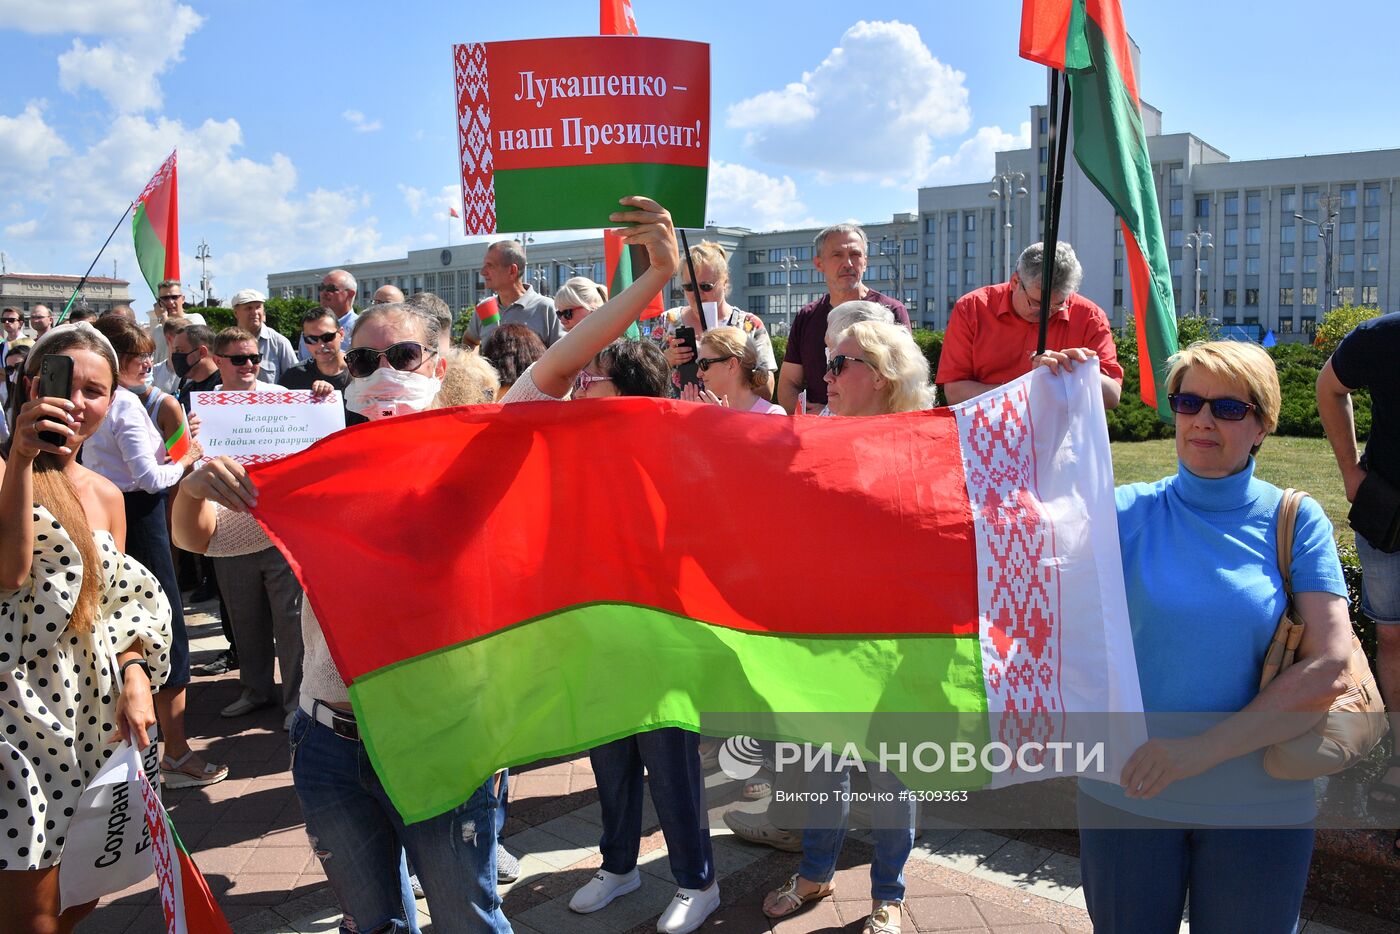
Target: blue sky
column 313, row 133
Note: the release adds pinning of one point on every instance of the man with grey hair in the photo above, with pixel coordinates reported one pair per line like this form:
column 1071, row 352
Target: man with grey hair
column 840, row 254
column 337, row 291
column 993, row 332
column 388, row 294
column 503, row 271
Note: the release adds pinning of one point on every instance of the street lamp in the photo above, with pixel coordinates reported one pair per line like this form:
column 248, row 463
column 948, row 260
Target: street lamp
column 788, row 263
column 1325, row 229
column 1006, row 185
column 898, row 267
column 1199, row 242
column 203, row 255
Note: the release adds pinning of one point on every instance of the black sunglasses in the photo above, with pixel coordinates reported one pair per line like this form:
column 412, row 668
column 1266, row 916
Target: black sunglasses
column 704, row 363
column 1229, row 410
column 10, row 320
column 838, row 363
column 704, row 287
column 325, row 338
column 170, row 298
column 330, row 288
column 567, row 314
column 405, row 355
column 241, row 359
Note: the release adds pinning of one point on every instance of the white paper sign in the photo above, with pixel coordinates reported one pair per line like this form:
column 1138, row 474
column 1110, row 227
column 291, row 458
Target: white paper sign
column 711, row 314
column 109, row 843
column 257, row 426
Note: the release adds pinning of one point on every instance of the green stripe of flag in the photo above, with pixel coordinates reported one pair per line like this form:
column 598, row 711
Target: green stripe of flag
column 150, row 249
column 578, row 197
column 438, row 725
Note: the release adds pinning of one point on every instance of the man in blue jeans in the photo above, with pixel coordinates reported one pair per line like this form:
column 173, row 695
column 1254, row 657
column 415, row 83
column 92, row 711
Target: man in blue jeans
column 1367, row 359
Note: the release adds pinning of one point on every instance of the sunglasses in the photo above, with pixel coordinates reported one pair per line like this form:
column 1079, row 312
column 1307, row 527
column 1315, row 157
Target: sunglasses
column 838, row 363
column 704, row 286
column 704, row 363
column 330, row 288
column 567, row 314
column 241, row 359
column 170, row 298
column 10, row 320
column 584, row 380
column 405, row 355
column 1229, row 410
column 325, row 338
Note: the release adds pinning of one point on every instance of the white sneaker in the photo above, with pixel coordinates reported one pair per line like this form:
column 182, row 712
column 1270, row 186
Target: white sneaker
column 602, row 889
column 688, row 910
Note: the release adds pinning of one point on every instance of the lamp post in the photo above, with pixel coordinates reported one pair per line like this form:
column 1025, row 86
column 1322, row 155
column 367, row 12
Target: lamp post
column 1199, row 242
column 1005, row 186
column 898, row 267
column 1325, row 229
column 203, row 255
column 788, row 264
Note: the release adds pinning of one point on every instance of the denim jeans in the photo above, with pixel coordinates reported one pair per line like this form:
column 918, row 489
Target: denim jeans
column 1380, row 583
column 671, row 757
column 893, row 830
column 358, row 836
column 1136, row 878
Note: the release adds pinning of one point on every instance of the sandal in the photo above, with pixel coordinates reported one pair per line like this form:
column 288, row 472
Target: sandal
column 758, row 787
column 883, row 920
column 184, row 773
column 1383, row 793
column 787, row 901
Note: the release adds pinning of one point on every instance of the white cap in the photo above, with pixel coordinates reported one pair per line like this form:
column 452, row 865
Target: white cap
column 196, row 318
column 246, row 296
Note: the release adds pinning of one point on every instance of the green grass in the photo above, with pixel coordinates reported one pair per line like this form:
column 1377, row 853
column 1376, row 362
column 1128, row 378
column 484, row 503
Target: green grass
column 1303, row 463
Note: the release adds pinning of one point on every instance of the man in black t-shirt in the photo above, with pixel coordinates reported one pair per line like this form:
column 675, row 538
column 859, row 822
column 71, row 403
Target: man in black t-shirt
column 1369, row 358
column 320, row 331
column 192, row 359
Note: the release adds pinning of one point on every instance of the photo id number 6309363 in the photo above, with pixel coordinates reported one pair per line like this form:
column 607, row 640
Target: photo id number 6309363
column 935, row 796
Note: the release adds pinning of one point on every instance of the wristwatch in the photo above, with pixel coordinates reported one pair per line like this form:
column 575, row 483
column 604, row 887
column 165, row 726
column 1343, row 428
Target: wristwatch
column 135, row 661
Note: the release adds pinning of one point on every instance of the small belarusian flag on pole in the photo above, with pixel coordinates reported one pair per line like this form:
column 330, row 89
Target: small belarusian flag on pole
column 615, row 18
column 185, row 899
column 178, row 444
column 156, row 227
column 1087, row 40
column 452, row 211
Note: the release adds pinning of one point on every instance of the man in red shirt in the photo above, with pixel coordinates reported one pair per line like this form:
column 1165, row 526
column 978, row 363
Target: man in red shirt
column 992, row 332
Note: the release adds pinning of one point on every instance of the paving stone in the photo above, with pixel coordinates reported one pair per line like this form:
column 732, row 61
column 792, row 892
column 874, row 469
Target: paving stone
column 949, row 912
column 968, row 850
column 556, row 851
column 554, row 915
column 1012, row 863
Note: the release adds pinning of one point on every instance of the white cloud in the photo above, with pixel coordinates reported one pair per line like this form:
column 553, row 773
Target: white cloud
column 22, row 230
column 138, row 40
column 27, row 143
column 869, row 111
column 975, row 159
column 358, row 122
column 745, row 197
column 413, row 197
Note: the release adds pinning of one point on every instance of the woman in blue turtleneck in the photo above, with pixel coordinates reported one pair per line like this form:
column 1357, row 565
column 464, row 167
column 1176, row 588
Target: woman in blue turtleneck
column 1195, row 810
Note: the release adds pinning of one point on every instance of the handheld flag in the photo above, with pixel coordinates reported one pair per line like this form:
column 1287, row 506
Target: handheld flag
column 178, row 445
column 185, row 900
column 617, row 258
column 488, row 311
column 156, row 227
column 1087, row 40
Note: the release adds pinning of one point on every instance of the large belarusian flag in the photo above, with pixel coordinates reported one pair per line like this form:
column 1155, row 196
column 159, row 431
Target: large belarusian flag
column 1087, row 39
column 155, row 226
column 501, row 584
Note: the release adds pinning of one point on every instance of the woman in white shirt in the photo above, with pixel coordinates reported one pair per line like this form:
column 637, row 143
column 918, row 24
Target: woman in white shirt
column 128, row 450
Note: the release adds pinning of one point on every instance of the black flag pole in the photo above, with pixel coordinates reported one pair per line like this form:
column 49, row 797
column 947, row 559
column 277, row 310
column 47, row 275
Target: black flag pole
column 81, row 282
column 1059, row 145
column 694, row 280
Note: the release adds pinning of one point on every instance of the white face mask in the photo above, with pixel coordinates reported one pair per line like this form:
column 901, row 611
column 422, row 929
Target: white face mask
column 388, row 392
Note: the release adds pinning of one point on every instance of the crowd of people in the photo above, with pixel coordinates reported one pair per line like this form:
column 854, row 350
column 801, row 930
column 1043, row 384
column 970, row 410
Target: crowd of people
column 98, row 522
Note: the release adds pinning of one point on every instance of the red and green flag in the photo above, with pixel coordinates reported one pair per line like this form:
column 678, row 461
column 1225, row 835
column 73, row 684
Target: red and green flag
column 617, row 259
column 1087, row 40
column 972, row 554
column 186, row 903
column 552, row 132
column 488, row 312
column 155, row 226
column 615, row 18
column 178, row 444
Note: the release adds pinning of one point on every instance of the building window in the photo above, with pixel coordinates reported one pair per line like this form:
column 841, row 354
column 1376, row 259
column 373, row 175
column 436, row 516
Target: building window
column 758, row 304
column 1232, row 266
column 1286, row 264
column 952, row 250
column 970, row 249
column 1251, row 235
column 1370, row 262
column 1347, row 262
column 1288, row 233
column 1285, row 325
column 1285, row 296
column 1373, row 196
column 930, row 277
column 1118, row 266
column 755, row 278
column 1307, row 325
column 1177, row 237
column 1349, row 196
column 757, row 256
column 802, row 252
column 1232, row 236
column 930, row 251
column 1231, row 298
column 952, row 278
column 1176, row 267
column 911, row 271
column 1251, row 265
column 969, row 222
column 952, row 222
column 1251, row 298
column 1347, row 295
column 1174, row 207
column 1203, row 207
column 1117, row 298
column 1370, row 295
column 1347, row 230
column 1309, row 296
column 930, row 224
column 1044, row 154
column 969, row 278
column 776, row 255
column 1371, row 230
column 775, row 277
column 1310, row 262
column 911, row 246
column 1175, row 175
column 1309, row 199
column 1044, row 126
column 1251, row 202
column 1288, row 201
column 1232, row 205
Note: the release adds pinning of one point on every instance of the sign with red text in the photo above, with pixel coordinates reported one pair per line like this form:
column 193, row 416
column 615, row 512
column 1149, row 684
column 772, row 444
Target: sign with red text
column 552, row 132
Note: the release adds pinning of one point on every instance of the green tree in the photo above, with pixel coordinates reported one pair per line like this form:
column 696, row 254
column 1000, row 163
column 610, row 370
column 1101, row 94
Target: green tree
column 1339, row 322
column 284, row 315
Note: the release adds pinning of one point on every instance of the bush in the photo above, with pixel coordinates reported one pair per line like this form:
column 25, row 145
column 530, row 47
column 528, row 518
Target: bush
column 931, row 343
column 1132, row 420
column 1338, row 323
column 284, row 315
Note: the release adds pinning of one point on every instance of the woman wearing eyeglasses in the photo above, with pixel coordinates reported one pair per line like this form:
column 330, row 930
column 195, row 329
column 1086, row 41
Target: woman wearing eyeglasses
column 395, row 368
column 729, row 365
column 1194, row 811
column 712, row 268
column 877, row 369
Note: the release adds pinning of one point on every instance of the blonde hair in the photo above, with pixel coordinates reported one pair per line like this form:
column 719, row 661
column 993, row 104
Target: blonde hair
column 732, row 342
column 1246, row 365
column 470, row 380
column 848, row 313
column 891, row 351
column 580, row 292
column 710, row 253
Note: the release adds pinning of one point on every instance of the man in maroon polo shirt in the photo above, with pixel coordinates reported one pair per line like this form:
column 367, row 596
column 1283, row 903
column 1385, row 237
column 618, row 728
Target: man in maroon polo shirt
column 993, row 332
column 840, row 253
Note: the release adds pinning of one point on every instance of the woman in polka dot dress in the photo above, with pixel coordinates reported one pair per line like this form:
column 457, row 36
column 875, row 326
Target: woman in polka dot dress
column 63, row 704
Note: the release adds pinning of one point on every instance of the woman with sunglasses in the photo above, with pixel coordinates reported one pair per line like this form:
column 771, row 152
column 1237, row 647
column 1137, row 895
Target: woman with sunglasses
column 576, row 299
column 712, row 267
column 395, row 368
column 877, row 370
column 729, row 365
column 1195, row 812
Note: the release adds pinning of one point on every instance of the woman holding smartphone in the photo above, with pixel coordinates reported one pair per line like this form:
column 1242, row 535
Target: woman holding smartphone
column 84, row 631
